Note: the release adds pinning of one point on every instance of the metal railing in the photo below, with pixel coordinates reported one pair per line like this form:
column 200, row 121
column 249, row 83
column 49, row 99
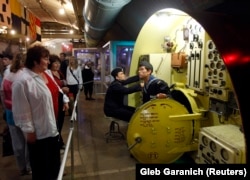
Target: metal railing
column 70, row 142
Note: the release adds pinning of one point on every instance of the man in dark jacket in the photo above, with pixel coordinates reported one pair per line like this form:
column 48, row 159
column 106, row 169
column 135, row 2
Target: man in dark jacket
column 114, row 100
column 88, row 80
column 153, row 87
column 64, row 63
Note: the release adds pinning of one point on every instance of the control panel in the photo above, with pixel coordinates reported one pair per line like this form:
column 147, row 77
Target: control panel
column 223, row 144
column 216, row 78
column 195, row 75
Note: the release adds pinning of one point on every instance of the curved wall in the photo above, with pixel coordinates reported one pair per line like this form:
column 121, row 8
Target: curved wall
column 231, row 36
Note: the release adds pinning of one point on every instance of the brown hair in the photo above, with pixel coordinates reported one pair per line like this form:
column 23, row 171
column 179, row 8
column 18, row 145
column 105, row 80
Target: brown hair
column 34, row 54
column 53, row 58
column 18, row 62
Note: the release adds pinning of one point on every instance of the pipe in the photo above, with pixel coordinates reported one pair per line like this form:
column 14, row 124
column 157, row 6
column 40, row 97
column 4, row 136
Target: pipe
column 99, row 15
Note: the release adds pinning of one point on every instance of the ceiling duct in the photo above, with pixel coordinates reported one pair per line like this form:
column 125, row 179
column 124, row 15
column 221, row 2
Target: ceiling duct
column 99, row 15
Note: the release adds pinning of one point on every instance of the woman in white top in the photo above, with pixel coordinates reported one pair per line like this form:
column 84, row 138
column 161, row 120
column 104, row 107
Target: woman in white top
column 74, row 76
column 33, row 112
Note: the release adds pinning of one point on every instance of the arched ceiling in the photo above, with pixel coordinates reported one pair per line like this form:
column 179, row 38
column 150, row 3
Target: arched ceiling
column 128, row 21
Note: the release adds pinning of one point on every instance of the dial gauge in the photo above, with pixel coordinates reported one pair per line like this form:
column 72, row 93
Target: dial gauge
column 185, row 34
column 205, row 140
column 224, row 154
column 213, row 146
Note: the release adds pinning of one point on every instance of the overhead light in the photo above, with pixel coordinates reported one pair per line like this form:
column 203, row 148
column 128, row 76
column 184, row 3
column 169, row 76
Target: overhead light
column 3, row 31
column 71, row 31
column 12, row 32
column 61, row 11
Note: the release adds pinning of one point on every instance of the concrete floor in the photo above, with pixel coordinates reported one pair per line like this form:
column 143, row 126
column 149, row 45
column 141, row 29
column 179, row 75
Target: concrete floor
column 94, row 158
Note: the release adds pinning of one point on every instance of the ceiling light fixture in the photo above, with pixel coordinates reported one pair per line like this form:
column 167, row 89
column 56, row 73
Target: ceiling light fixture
column 61, row 11
column 12, row 32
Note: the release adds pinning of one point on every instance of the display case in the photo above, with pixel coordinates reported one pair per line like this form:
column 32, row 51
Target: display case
column 118, row 54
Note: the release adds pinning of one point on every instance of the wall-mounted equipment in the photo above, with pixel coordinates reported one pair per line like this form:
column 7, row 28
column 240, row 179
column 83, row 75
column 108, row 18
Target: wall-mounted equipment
column 169, row 45
column 223, row 144
column 217, row 106
column 179, row 60
column 185, row 34
column 216, row 75
column 196, row 60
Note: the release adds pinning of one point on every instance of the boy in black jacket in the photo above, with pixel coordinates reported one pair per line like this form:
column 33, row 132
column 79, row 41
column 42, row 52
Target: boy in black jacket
column 114, row 100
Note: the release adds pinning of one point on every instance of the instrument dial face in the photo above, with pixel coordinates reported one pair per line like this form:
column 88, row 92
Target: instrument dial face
column 213, row 146
column 224, row 154
column 210, row 45
column 205, row 140
column 186, row 34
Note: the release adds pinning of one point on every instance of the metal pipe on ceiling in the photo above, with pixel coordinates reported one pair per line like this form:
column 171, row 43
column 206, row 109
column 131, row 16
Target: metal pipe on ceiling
column 99, row 15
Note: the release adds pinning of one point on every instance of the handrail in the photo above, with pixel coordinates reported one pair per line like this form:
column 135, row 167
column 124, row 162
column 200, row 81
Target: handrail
column 69, row 142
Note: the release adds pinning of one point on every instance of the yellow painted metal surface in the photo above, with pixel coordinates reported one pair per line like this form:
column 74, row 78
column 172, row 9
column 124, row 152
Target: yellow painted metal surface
column 154, row 136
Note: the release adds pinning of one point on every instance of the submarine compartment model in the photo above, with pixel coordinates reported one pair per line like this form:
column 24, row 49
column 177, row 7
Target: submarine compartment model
column 202, row 101
column 161, row 130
